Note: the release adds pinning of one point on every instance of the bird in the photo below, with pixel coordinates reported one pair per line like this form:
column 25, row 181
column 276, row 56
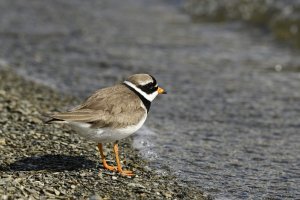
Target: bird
column 113, row 113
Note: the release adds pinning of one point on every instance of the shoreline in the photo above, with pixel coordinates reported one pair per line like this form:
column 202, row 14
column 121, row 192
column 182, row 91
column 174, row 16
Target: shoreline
column 51, row 161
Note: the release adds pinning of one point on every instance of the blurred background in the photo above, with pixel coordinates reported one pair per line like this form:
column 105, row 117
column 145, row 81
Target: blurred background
column 230, row 121
column 280, row 18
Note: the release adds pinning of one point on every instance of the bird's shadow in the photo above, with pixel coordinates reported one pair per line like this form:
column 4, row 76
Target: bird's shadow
column 55, row 163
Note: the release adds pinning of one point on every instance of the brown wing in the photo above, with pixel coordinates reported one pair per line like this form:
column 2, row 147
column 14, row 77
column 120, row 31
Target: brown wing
column 109, row 107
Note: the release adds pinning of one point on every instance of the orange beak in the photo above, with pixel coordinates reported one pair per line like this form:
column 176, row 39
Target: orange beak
column 161, row 91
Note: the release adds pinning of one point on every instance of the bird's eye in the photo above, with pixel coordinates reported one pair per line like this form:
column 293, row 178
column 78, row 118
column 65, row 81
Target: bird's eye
column 149, row 88
column 153, row 87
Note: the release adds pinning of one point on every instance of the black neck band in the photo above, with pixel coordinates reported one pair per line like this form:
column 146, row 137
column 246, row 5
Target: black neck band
column 145, row 101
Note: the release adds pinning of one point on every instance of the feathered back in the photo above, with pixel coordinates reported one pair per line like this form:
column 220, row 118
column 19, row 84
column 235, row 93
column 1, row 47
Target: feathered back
column 114, row 106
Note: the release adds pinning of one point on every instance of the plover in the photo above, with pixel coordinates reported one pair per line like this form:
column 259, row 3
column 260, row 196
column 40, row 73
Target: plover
column 113, row 113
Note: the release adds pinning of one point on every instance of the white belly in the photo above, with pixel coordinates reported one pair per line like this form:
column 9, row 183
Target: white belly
column 102, row 135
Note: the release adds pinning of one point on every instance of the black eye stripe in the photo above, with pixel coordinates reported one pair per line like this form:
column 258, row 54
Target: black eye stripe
column 148, row 88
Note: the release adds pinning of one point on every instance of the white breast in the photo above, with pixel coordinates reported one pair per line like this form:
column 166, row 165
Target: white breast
column 133, row 128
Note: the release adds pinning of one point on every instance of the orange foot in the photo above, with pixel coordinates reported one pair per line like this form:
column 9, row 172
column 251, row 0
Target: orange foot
column 110, row 168
column 126, row 172
column 117, row 168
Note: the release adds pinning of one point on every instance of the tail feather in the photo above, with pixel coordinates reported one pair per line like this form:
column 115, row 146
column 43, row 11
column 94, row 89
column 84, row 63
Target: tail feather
column 83, row 115
column 53, row 120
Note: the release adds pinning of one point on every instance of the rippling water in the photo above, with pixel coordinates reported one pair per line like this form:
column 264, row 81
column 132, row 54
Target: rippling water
column 279, row 17
column 230, row 121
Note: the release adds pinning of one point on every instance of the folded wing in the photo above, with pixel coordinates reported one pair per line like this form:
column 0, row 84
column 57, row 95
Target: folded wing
column 110, row 107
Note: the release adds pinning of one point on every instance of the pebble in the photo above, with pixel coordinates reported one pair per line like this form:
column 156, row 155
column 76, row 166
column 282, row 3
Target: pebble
column 155, row 184
column 136, row 185
column 168, row 195
column 147, row 168
column 83, row 174
column 2, row 141
column 56, row 192
column 95, row 197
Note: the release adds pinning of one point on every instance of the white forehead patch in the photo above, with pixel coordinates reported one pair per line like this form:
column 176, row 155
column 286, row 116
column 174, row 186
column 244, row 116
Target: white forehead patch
column 145, row 82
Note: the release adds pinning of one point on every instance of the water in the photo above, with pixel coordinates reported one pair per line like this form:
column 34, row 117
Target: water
column 230, row 121
column 279, row 17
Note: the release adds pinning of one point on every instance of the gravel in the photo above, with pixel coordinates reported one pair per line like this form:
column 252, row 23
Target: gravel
column 40, row 161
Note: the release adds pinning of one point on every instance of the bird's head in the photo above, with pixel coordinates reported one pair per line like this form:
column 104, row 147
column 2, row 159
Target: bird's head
column 145, row 84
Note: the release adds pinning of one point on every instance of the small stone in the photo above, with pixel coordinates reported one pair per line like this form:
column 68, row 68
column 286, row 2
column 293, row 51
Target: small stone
column 2, row 141
column 57, row 193
column 36, row 120
column 155, row 184
column 168, row 195
column 2, row 93
column 73, row 146
column 83, row 174
column 114, row 178
column 136, row 185
column 278, row 68
column 147, row 169
column 95, row 197
column 73, row 186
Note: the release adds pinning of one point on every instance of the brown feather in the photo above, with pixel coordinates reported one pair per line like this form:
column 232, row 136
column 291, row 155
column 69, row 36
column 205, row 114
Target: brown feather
column 114, row 107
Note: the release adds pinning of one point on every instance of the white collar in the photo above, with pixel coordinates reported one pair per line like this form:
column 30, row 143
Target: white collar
column 149, row 97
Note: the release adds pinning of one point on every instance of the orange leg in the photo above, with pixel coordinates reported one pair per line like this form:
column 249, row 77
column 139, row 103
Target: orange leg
column 105, row 165
column 119, row 167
